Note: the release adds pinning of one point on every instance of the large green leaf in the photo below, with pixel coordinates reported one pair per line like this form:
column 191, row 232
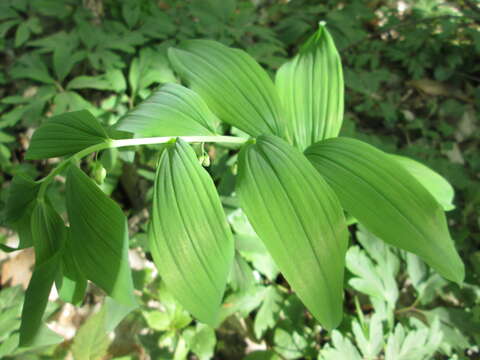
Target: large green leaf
column 99, row 236
column 48, row 232
column 189, row 237
column 299, row 219
column 232, row 84
column 435, row 183
column 36, row 299
column 71, row 287
column 65, row 134
column 311, row 91
column 389, row 201
column 173, row 110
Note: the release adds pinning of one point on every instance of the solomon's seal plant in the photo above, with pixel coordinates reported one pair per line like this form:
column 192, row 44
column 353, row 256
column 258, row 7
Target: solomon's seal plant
column 296, row 183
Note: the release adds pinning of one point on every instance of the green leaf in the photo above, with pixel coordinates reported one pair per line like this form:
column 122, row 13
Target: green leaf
column 64, row 58
column 113, row 80
column 376, row 281
column 375, row 270
column 31, row 66
column 148, row 68
column 426, row 283
column 71, row 287
column 179, row 317
column 157, row 320
column 18, row 210
column 131, row 12
column 290, row 343
column 311, row 91
column 99, row 236
column 71, row 101
column 173, row 110
column 65, row 134
column 342, row 349
column 369, row 338
column 48, row 235
column 389, row 201
column 232, row 84
column 7, row 25
column 21, row 195
column 171, row 317
column 250, row 246
column 22, row 34
column 11, row 302
column 35, row 25
column 44, row 338
column 299, row 219
column 435, row 183
column 457, row 325
column 115, row 313
column 415, row 344
column 7, row 11
column 91, row 341
column 23, row 228
column 241, row 276
column 189, row 237
column 242, row 302
column 202, row 341
column 6, row 138
column 48, row 230
column 213, row 10
column 268, row 313
column 36, row 297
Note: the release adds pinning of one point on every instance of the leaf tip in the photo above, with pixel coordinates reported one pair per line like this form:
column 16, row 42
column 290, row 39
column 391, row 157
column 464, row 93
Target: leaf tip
column 459, row 274
column 330, row 321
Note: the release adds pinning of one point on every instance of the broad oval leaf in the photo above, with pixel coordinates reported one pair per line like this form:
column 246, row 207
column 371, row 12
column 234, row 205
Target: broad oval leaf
column 300, row 220
column 311, row 91
column 189, row 237
column 48, row 232
column 435, row 183
column 65, row 134
column 389, row 201
column 232, row 84
column 99, row 236
column 173, row 110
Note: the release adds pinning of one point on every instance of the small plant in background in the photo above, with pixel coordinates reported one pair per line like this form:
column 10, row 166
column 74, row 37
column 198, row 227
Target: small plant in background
column 295, row 179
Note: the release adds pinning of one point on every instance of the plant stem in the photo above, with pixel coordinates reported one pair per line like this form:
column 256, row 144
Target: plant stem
column 109, row 144
column 165, row 139
column 409, row 308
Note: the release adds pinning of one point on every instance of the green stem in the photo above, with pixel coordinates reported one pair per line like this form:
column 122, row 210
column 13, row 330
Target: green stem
column 412, row 307
column 109, row 144
column 189, row 139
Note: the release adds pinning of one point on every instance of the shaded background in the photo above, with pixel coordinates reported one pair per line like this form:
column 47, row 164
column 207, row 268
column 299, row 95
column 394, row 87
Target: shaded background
column 412, row 74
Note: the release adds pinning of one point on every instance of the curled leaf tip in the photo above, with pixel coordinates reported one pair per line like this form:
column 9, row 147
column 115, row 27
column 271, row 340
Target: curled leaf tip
column 322, row 23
